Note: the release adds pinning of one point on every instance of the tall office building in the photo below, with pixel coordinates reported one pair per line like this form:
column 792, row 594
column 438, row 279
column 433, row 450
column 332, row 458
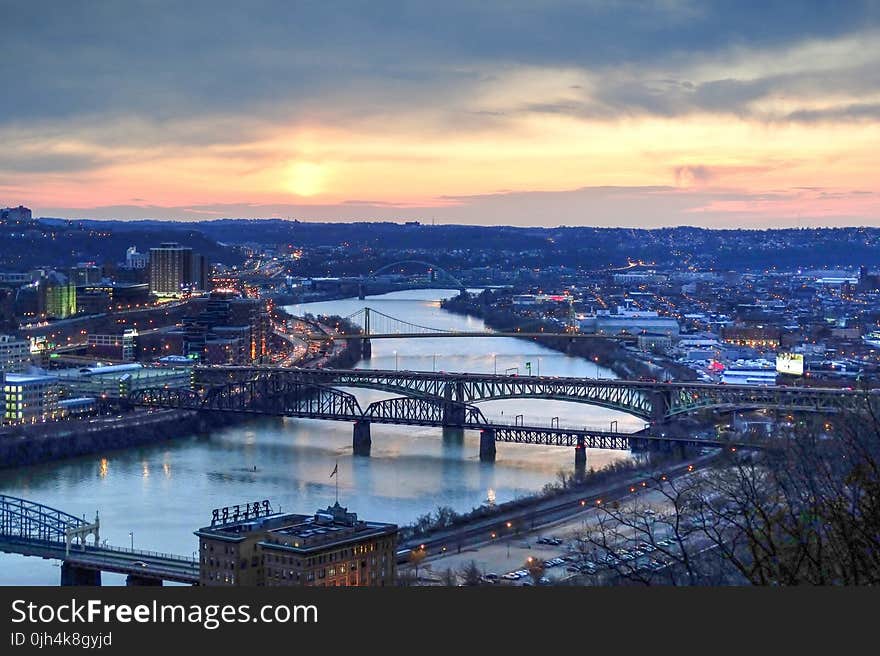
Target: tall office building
column 175, row 269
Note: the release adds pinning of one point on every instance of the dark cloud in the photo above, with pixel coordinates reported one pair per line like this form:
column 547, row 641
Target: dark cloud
column 47, row 162
column 166, row 60
column 853, row 112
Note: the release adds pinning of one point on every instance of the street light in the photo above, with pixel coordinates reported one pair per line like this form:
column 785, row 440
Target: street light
column 131, row 535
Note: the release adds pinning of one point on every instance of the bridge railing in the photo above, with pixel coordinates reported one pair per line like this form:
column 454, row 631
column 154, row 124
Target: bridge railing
column 135, row 552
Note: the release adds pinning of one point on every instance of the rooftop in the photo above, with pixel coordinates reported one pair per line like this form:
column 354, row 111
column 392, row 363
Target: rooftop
column 300, row 533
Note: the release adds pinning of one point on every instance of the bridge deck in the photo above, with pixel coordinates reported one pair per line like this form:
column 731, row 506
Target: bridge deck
column 330, row 337
column 121, row 561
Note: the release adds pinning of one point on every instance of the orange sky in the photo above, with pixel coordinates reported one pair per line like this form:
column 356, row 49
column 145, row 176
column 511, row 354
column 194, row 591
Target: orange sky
column 778, row 132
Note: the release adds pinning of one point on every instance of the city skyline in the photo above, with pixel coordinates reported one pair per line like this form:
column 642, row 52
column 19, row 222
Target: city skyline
column 597, row 113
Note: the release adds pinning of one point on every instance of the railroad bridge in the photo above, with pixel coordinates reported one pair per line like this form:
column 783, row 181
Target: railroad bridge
column 450, row 400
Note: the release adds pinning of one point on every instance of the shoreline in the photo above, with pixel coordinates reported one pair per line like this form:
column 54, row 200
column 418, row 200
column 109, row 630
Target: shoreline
column 603, row 352
column 84, row 438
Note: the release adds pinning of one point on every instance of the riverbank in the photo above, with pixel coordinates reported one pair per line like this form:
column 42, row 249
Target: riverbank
column 50, row 442
column 606, row 353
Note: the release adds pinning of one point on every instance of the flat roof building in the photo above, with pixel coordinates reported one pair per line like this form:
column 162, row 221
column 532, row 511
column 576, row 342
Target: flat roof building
column 253, row 546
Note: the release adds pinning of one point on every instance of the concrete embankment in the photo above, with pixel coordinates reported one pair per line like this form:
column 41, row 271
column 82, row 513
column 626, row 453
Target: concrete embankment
column 45, row 443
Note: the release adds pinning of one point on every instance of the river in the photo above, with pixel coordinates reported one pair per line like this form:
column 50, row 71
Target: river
column 155, row 497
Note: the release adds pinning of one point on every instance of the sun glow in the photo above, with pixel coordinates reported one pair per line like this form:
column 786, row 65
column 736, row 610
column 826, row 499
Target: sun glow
column 305, row 178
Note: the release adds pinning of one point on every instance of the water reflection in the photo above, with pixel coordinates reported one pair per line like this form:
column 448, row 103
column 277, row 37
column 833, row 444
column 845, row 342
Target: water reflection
column 411, row 470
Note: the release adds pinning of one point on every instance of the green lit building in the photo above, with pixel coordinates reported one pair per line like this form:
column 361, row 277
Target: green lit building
column 57, row 296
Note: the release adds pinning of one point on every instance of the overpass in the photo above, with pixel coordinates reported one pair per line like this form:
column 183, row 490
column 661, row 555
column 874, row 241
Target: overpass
column 448, row 400
column 32, row 529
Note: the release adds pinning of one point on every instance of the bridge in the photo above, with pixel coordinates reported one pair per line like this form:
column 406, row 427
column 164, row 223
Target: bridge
column 432, row 270
column 378, row 325
column 448, row 400
column 657, row 402
column 33, row 529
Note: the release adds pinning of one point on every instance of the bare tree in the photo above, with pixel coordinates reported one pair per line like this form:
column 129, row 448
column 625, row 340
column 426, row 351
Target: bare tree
column 806, row 511
column 449, row 578
column 535, row 567
column 416, row 556
column 471, row 574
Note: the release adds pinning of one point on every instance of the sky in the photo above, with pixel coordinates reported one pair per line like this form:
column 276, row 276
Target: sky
column 522, row 112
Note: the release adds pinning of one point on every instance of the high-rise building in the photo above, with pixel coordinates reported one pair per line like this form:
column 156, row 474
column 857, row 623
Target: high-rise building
column 175, row 269
column 249, row 545
column 170, row 269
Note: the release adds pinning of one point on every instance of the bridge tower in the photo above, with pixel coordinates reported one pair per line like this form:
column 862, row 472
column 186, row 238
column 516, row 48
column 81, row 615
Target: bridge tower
column 362, row 289
column 366, row 345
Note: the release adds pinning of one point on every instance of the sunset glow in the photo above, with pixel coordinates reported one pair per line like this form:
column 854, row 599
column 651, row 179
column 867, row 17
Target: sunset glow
column 737, row 131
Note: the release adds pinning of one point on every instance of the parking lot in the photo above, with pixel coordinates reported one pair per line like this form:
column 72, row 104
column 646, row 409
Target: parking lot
column 507, row 560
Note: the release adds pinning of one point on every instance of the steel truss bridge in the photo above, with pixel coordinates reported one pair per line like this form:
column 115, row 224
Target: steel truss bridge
column 448, row 400
column 651, row 401
column 33, row 529
column 378, row 325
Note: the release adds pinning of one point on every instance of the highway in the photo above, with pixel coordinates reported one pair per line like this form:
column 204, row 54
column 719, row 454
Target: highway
column 535, row 515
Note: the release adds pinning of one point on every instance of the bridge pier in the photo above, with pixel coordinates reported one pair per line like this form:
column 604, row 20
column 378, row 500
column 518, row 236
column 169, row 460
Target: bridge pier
column 580, row 458
column 75, row 575
column 366, row 349
column 453, row 414
column 487, row 445
column 361, row 441
column 137, row 580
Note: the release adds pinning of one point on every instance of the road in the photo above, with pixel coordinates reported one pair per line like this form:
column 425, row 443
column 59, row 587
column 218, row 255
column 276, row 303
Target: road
column 492, row 536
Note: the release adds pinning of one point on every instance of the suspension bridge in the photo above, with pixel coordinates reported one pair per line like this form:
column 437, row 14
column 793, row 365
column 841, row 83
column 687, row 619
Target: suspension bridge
column 33, row 529
column 378, row 325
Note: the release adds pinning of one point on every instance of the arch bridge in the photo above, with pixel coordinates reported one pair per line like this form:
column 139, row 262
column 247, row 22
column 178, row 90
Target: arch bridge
column 447, row 400
column 454, row 282
column 648, row 400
